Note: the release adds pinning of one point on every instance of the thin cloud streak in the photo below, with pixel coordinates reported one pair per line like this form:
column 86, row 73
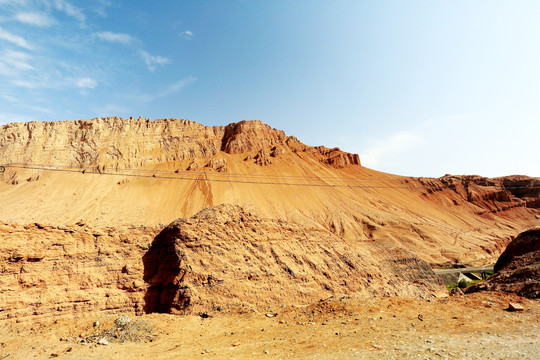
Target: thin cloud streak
column 70, row 10
column 35, row 19
column 115, row 37
column 179, row 85
column 153, row 60
column 14, row 39
column 13, row 62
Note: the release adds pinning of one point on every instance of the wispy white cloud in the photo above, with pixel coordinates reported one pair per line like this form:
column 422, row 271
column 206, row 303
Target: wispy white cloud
column 11, row 99
column 36, row 19
column 186, row 34
column 101, row 7
column 56, row 82
column 153, row 60
column 14, row 39
column 85, row 83
column 14, row 62
column 14, row 2
column 115, row 37
column 169, row 90
column 27, row 84
column 69, row 9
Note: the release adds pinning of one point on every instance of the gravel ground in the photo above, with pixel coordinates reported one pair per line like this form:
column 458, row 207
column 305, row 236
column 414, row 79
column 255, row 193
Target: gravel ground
column 474, row 326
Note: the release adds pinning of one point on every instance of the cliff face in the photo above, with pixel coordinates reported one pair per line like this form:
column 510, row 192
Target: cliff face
column 115, row 143
column 490, row 195
column 109, row 142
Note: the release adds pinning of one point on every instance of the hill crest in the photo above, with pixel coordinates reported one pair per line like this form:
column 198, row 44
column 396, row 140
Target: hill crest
column 116, row 143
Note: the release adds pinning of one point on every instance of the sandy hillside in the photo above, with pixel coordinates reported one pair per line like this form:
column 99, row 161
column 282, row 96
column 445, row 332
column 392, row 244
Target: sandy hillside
column 112, row 172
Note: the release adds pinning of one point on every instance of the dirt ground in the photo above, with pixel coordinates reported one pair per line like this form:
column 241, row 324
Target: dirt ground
column 473, row 326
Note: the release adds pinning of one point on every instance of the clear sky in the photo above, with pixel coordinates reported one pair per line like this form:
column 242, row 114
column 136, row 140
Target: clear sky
column 420, row 88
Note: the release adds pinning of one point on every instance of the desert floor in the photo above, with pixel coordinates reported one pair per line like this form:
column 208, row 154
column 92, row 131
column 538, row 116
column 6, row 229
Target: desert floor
column 473, row 326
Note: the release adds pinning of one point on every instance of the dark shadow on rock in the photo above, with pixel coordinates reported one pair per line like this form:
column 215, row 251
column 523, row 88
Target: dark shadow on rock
column 164, row 274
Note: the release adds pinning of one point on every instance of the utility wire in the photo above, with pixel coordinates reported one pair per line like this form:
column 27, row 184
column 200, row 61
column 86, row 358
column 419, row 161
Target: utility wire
column 203, row 176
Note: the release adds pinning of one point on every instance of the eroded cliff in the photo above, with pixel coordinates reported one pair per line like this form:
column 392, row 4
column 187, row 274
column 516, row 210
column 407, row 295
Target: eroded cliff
column 116, row 143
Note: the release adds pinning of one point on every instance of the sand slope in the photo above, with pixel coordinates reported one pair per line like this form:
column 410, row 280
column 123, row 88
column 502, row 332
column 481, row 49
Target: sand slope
column 113, row 172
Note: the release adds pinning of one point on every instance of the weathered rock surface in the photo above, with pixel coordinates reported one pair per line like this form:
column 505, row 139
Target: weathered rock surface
column 523, row 247
column 225, row 256
column 116, row 143
column 518, row 268
column 492, row 195
column 48, row 271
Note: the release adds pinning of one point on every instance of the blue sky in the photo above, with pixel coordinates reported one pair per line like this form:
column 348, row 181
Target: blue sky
column 420, row 88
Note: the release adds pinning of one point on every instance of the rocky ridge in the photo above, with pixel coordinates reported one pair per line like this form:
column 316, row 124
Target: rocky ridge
column 116, row 143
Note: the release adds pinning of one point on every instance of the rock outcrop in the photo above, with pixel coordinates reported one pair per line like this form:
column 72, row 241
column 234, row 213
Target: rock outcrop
column 525, row 245
column 518, row 268
column 225, row 256
column 250, row 136
column 49, row 271
column 492, row 195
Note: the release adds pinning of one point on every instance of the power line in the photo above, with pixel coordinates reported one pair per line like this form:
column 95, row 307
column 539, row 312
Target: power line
column 155, row 171
column 203, row 176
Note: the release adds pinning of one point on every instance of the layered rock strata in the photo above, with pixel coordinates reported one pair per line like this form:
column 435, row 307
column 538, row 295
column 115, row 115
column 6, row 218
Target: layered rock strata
column 49, row 271
column 116, row 143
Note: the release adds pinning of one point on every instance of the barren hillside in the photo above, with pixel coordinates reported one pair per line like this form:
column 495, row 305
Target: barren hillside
column 112, row 172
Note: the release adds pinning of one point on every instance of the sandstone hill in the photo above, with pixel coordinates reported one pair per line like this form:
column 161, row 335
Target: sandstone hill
column 112, row 172
column 83, row 208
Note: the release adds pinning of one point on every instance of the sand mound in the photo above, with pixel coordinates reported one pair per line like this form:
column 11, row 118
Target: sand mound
column 225, row 256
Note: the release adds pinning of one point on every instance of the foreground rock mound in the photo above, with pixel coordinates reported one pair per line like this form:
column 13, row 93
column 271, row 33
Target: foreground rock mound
column 225, row 256
column 518, row 268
